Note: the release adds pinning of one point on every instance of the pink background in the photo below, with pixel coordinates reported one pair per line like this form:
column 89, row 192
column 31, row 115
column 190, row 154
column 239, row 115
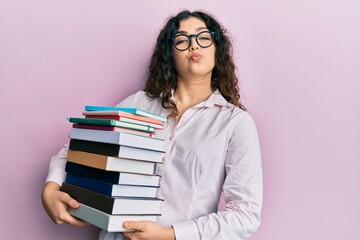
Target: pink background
column 299, row 64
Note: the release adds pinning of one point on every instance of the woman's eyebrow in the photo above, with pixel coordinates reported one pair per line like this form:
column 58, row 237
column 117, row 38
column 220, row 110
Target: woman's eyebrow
column 185, row 32
column 201, row 28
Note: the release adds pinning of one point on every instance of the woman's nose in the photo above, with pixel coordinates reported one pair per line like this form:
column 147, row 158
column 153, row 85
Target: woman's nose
column 193, row 44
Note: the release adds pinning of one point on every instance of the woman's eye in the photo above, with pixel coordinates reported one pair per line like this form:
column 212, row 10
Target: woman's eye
column 181, row 41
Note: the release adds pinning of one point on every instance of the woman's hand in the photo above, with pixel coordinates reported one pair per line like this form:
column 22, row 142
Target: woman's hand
column 146, row 230
column 56, row 203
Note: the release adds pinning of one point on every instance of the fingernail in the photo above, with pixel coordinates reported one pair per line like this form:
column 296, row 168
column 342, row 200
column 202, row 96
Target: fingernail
column 126, row 224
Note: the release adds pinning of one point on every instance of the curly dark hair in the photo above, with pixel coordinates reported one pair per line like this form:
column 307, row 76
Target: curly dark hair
column 162, row 73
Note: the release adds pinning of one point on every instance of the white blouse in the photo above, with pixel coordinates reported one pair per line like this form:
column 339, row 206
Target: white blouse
column 213, row 148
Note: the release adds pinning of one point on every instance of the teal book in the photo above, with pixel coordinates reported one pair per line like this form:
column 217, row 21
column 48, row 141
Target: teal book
column 111, row 122
column 129, row 110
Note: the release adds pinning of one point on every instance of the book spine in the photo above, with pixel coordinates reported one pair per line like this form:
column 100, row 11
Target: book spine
column 90, row 172
column 90, row 198
column 93, row 216
column 92, row 147
column 91, row 184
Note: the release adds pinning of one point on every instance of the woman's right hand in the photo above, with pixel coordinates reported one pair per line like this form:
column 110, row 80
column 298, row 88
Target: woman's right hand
column 56, row 203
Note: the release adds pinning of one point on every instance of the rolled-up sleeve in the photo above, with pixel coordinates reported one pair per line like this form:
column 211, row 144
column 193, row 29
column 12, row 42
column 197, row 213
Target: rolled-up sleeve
column 56, row 172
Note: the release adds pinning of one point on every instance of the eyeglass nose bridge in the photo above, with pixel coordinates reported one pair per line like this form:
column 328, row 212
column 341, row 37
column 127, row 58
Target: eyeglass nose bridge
column 193, row 36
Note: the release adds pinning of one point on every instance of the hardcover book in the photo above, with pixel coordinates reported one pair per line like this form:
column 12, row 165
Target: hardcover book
column 125, row 119
column 113, row 205
column 129, row 110
column 111, row 163
column 111, row 122
column 115, row 129
column 112, row 177
column 115, row 150
column 110, row 189
column 122, row 114
column 118, row 138
column 111, row 223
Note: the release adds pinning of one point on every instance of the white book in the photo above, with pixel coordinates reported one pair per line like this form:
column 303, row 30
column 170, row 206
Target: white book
column 133, row 191
column 120, row 138
column 111, row 223
column 138, row 179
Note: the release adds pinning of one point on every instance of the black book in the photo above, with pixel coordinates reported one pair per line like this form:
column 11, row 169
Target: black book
column 112, row 177
column 113, row 205
column 116, row 150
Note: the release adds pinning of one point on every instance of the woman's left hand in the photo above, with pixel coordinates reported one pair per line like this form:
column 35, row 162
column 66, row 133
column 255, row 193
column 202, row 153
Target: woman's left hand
column 146, row 230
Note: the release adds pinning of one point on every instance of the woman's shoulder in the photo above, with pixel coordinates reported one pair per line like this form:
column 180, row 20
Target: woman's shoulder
column 132, row 100
column 142, row 101
column 241, row 118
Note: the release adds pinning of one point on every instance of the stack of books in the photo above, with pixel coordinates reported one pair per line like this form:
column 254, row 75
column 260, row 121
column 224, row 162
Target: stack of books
column 111, row 163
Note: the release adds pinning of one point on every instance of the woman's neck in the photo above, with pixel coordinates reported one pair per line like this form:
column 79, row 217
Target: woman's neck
column 190, row 93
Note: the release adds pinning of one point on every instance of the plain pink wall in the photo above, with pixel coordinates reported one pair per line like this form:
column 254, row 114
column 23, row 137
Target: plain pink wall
column 299, row 64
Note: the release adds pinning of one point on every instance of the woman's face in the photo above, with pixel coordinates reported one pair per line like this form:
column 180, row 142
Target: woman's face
column 196, row 61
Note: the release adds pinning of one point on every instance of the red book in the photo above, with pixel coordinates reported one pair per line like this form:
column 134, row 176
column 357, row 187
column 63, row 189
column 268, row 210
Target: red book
column 121, row 114
column 116, row 129
column 126, row 119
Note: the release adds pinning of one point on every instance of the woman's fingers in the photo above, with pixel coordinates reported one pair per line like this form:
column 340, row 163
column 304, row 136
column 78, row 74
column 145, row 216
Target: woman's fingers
column 56, row 204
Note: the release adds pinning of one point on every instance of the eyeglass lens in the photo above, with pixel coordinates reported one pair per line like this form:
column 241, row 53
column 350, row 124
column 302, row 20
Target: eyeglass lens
column 183, row 42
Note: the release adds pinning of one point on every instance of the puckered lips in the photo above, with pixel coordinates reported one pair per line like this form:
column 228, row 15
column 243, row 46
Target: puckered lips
column 196, row 57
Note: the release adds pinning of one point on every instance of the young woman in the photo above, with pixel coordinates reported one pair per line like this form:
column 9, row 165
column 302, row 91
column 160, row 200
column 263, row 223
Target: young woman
column 211, row 140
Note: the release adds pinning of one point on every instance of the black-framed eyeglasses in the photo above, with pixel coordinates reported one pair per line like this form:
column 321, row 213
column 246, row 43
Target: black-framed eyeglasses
column 182, row 41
